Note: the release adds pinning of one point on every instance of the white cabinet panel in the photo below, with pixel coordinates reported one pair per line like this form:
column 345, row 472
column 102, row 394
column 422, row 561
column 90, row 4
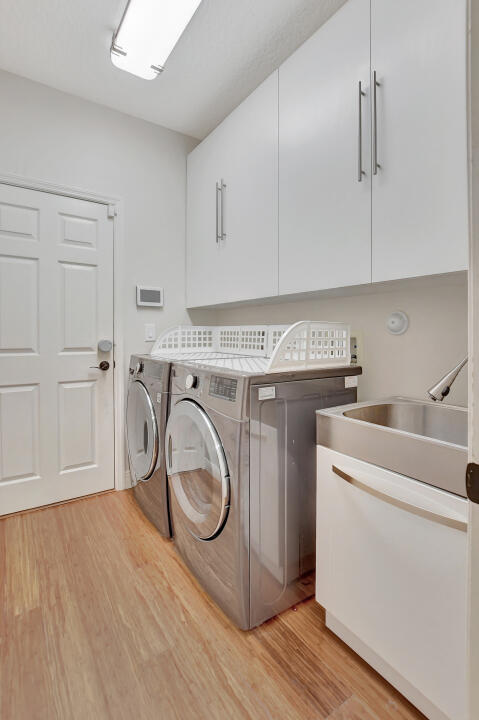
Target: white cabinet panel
column 202, row 250
column 250, row 247
column 394, row 578
column 420, row 212
column 18, row 305
column 324, row 212
column 243, row 152
column 19, row 433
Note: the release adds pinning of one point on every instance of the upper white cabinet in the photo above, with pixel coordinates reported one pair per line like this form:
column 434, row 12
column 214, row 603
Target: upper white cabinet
column 407, row 213
column 420, row 196
column 362, row 135
column 232, row 205
column 324, row 138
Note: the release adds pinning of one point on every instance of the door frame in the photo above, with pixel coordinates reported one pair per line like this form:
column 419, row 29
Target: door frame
column 473, row 349
column 116, row 212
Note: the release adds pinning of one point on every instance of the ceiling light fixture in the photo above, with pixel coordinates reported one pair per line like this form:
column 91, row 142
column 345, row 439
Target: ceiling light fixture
column 148, row 32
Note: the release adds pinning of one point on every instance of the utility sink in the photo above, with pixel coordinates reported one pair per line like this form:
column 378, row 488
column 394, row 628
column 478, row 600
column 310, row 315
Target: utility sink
column 420, row 439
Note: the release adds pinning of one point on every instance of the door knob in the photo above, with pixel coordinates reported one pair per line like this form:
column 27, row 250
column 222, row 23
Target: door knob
column 105, row 345
column 104, row 365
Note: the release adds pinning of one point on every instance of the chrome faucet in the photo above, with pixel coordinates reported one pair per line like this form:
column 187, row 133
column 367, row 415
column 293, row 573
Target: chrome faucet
column 442, row 388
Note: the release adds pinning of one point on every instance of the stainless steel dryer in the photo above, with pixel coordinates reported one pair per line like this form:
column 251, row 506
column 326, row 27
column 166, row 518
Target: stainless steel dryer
column 146, row 415
column 240, row 449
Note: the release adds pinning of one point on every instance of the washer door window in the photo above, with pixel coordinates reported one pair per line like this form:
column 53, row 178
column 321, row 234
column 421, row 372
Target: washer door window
column 142, row 432
column 197, row 470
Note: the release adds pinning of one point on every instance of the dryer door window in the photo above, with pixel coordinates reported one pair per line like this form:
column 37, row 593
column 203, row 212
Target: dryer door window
column 142, row 432
column 197, row 470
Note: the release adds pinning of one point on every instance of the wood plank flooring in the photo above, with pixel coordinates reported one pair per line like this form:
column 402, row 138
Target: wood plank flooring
column 99, row 619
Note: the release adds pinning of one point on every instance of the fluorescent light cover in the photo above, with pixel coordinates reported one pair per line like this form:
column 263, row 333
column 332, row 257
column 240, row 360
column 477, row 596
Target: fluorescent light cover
column 148, row 32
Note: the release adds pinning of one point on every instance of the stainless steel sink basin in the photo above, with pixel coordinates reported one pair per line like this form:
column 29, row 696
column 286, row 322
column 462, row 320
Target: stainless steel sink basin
column 419, row 439
column 434, row 421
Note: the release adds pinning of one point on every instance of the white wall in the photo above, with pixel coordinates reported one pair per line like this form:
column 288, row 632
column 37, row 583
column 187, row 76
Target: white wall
column 392, row 365
column 52, row 136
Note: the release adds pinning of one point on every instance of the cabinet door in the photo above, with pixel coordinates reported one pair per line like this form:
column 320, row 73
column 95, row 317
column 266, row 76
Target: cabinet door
column 420, row 214
column 395, row 578
column 243, row 151
column 325, row 212
column 202, row 251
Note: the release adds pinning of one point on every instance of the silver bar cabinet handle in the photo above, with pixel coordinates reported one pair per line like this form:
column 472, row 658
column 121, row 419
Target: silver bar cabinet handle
column 409, row 507
column 218, row 218
column 222, row 226
column 376, row 165
column 360, row 133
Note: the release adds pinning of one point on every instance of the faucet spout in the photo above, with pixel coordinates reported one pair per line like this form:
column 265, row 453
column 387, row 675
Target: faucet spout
column 439, row 391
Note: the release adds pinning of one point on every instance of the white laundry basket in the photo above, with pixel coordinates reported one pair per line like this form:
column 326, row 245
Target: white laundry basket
column 306, row 345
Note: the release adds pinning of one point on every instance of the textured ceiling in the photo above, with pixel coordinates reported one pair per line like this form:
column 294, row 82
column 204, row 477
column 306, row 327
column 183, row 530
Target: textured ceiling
column 229, row 47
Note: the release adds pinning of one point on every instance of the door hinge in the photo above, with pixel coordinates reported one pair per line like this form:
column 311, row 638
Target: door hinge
column 111, row 211
column 472, row 482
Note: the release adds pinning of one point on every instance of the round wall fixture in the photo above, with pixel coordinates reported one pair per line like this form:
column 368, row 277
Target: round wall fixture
column 397, row 323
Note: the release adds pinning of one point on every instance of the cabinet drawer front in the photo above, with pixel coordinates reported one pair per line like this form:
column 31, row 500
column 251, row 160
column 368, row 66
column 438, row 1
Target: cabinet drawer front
column 394, row 577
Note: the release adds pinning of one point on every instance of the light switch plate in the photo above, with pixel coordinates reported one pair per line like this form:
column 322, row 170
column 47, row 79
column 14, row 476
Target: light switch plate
column 150, row 332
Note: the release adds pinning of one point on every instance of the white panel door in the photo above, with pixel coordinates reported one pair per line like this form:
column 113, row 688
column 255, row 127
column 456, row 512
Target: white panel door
column 56, row 303
column 324, row 211
column 420, row 195
column 243, row 152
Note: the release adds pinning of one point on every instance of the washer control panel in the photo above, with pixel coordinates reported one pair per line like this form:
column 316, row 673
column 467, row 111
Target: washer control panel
column 223, row 387
column 213, row 390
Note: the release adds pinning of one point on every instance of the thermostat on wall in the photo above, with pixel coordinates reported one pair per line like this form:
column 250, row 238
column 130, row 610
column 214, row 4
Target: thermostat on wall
column 149, row 296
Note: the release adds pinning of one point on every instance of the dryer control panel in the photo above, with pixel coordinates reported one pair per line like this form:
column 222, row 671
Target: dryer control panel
column 223, row 387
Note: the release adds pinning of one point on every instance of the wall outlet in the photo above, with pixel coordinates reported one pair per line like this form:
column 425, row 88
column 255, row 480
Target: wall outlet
column 356, row 348
column 150, row 332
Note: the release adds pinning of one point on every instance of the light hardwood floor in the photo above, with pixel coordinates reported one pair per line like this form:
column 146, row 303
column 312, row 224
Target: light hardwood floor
column 100, row 619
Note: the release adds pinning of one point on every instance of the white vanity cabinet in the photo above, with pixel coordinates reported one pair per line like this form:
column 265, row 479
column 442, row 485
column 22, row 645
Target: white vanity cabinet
column 232, row 205
column 324, row 157
column 391, row 573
